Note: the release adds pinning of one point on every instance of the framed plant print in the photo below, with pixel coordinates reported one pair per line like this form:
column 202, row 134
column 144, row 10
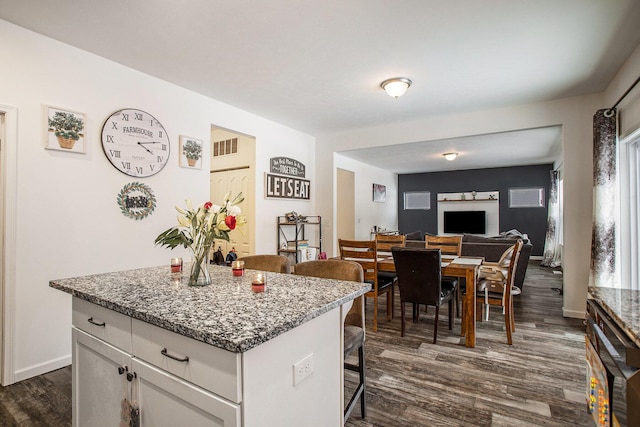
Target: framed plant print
column 190, row 152
column 65, row 130
column 379, row 193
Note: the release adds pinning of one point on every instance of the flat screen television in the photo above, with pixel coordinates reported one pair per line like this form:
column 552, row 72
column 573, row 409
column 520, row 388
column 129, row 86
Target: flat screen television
column 460, row 222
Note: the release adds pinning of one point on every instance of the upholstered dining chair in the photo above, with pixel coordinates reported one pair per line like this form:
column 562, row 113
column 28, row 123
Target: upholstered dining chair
column 448, row 245
column 420, row 282
column 353, row 323
column 499, row 289
column 384, row 243
column 273, row 263
column 364, row 252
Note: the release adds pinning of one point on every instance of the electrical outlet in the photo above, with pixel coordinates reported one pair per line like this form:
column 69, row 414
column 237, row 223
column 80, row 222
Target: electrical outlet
column 303, row 369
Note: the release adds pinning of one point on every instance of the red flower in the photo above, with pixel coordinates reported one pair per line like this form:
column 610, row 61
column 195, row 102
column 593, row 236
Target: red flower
column 231, row 222
column 208, row 205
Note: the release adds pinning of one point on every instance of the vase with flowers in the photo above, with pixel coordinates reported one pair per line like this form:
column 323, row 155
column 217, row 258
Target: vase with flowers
column 198, row 228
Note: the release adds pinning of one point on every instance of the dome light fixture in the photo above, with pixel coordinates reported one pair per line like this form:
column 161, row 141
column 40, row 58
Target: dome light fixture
column 450, row 156
column 396, row 86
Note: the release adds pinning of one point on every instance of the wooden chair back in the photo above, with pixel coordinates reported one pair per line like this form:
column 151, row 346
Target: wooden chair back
column 448, row 245
column 365, row 253
column 384, row 243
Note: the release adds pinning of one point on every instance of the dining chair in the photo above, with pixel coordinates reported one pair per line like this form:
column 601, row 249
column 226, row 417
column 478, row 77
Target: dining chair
column 498, row 289
column 420, row 282
column 273, row 263
column 364, row 252
column 354, row 334
column 384, row 243
column 448, row 245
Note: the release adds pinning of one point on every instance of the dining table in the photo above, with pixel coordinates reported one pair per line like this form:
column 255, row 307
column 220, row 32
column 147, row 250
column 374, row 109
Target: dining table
column 461, row 267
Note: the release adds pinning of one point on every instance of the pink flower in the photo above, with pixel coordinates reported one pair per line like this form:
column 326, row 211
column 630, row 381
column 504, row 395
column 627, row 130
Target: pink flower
column 230, row 221
column 208, row 205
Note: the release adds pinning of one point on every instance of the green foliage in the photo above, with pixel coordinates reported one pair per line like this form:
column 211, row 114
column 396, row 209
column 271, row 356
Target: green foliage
column 66, row 125
column 192, row 150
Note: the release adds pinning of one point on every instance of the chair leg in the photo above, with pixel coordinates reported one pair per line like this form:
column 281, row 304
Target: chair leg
column 416, row 313
column 435, row 324
column 390, row 303
column 458, row 301
column 513, row 317
column 401, row 318
column 360, row 391
column 363, row 381
column 451, row 302
column 375, row 313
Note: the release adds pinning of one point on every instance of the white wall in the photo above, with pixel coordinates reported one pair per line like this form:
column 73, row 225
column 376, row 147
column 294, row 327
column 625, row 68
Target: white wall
column 68, row 222
column 367, row 212
column 575, row 116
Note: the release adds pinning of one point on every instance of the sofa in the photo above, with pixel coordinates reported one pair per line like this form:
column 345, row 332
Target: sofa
column 491, row 248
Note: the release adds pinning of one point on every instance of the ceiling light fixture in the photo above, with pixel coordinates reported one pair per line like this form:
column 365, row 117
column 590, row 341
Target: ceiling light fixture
column 396, row 86
column 450, row 156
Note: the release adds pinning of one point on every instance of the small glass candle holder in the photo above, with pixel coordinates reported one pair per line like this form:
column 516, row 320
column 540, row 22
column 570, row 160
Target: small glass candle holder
column 237, row 268
column 259, row 282
column 176, row 265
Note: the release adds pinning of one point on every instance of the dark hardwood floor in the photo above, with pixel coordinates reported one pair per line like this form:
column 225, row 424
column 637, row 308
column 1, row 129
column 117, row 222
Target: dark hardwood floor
column 539, row 381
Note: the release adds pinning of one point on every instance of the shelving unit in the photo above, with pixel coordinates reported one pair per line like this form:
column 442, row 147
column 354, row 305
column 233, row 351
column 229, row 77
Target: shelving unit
column 292, row 234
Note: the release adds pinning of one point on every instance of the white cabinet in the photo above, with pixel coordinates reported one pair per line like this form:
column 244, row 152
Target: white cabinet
column 166, row 400
column 98, row 388
column 100, row 371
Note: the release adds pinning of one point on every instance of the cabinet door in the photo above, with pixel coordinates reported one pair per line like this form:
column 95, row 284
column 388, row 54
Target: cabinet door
column 166, row 400
column 98, row 388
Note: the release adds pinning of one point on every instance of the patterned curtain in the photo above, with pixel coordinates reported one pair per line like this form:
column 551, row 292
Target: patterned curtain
column 552, row 256
column 603, row 257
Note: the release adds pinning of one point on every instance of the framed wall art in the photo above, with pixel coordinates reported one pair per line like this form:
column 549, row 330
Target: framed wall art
column 379, row 193
column 190, row 152
column 64, row 130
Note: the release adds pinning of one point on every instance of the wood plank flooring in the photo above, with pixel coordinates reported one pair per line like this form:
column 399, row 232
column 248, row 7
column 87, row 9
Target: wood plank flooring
column 539, row 381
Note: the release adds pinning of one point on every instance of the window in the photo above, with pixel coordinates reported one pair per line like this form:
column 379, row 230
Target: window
column 628, row 232
column 417, row 200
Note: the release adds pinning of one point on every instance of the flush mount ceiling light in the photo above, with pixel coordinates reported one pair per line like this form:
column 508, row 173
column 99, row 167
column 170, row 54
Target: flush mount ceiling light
column 450, row 156
column 396, row 86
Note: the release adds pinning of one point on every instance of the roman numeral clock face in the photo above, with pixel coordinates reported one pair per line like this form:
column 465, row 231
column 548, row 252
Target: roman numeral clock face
column 135, row 142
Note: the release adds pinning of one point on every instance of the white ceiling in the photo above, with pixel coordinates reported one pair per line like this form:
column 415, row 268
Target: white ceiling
column 316, row 66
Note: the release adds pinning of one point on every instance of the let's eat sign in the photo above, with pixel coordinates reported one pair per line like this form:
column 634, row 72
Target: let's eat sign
column 286, row 187
column 289, row 183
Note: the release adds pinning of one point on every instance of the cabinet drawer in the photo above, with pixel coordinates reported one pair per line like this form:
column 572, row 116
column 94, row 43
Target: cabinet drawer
column 108, row 325
column 210, row 367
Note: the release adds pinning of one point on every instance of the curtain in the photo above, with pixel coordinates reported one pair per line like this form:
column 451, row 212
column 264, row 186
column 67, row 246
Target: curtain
column 603, row 242
column 552, row 256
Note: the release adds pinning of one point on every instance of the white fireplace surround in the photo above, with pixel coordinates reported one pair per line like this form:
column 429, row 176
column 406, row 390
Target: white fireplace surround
column 488, row 201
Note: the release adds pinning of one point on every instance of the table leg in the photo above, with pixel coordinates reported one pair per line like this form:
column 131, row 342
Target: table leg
column 470, row 308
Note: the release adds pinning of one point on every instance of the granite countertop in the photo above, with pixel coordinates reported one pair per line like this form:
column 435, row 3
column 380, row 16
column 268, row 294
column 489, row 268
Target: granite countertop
column 623, row 305
column 226, row 314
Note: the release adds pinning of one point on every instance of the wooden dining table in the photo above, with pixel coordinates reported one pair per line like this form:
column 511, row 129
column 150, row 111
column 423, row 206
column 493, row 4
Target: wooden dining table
column 461, row 267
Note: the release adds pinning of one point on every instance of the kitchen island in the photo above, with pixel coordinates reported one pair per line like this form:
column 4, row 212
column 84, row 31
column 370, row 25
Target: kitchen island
column 214, row 355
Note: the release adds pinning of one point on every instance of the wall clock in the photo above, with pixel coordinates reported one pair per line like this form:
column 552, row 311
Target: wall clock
column 135, row 142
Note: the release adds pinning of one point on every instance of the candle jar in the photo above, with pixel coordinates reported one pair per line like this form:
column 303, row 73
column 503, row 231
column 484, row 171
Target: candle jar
column 237, row 268
column 259, row 282
column 176, row 265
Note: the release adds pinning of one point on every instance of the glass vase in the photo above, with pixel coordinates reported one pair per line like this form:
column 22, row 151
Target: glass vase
column 199, row 269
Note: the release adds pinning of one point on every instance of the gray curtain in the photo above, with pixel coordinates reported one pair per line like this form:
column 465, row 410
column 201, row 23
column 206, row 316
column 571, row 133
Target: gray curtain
column 603, row 258
column 552, row 256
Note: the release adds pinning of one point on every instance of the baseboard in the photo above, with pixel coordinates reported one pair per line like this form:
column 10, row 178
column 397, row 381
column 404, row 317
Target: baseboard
column 576, row 314
column 42, row 368
column 536, row 257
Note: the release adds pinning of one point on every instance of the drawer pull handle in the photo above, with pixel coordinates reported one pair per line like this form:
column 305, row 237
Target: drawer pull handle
column 93, row 322
column 170, row 356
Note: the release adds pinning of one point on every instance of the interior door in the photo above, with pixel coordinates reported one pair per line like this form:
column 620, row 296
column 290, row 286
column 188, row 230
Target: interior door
column 345, row 204
column 234, row 181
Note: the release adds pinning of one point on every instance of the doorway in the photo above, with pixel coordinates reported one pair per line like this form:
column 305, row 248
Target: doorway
column 232, row 170
column 345, row 204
